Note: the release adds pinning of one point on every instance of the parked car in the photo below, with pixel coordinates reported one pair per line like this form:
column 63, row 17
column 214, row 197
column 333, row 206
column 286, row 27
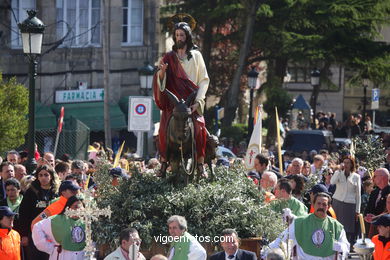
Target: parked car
column 225, row 152
column 307, row 140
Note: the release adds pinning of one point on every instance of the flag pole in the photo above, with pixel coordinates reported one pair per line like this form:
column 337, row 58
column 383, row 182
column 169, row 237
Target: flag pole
column 279, row 143
column 59, row 130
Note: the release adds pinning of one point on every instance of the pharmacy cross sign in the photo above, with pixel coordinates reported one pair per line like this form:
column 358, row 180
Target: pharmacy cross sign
column 88, row 214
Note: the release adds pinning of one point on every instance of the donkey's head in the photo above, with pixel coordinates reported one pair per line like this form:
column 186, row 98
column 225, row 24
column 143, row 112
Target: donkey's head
column 181, row 113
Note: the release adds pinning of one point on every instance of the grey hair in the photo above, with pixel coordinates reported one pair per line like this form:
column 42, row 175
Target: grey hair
column 77, row 164
column 179, row 220
column 299, row 160
column 272, row 176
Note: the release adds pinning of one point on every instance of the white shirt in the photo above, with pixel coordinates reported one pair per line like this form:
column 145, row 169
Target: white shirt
column 348, row 190
column 227, row 256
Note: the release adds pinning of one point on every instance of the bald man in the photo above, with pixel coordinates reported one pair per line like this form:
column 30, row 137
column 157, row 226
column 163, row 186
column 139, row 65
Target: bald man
column 377, row 201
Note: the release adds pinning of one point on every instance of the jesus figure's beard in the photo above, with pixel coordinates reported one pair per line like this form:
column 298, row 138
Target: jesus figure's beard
column 180, row 44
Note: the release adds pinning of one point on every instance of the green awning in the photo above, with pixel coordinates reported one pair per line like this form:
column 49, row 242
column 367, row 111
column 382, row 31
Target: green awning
column 124, row 105
column 92, row 114
column 44, row 117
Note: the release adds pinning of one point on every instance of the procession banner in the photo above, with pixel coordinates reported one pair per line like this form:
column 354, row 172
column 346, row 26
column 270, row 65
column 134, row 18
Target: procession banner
column 254, row 146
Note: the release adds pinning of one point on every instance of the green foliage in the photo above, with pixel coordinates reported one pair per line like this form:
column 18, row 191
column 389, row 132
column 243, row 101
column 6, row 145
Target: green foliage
column 237, row 131
column 277, row 97
column 369, row 152
column 14, row 108
column 146, row 202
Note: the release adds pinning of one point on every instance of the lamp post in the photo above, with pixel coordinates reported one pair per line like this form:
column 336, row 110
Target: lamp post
column 315, row 82
column 252, row 80
column 146, row 80
column 366, row 81
column 32, row 33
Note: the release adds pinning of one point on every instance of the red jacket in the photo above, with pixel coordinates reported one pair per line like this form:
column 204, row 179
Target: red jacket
column 381, row 252
column 9, row 244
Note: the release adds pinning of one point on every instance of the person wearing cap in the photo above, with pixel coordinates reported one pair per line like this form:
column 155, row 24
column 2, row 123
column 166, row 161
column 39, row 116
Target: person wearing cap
column 9, row 238
column 315, row 236
column 130, row 243
column 315, row 190
column 62, row 236
column 117, row 173
column 67, row 189
column 182, row 71
column 382, row 240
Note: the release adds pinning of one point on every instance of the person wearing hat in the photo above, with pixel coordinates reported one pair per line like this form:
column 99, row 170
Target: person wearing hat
column 67, row 189
column 9, row 238
column 116, row 173
column 382, row 240
column 62, row 236
column 182, row 71
column 315, row 190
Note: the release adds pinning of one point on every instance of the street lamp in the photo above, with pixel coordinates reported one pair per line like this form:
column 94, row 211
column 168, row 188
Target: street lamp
column 366, row 81
column 32, row 33
column 146, row 79
column 315, row 82
column 252, row 81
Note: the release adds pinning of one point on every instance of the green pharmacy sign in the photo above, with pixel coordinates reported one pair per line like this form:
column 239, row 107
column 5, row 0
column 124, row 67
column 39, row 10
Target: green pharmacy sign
column 78, row 96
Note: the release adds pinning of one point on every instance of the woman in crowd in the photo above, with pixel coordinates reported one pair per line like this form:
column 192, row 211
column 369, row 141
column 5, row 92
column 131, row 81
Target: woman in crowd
column 42, row 190
column 347, row 197
column 297, row 184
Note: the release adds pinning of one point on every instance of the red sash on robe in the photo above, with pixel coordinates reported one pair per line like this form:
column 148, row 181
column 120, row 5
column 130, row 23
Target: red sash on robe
column 179, row 84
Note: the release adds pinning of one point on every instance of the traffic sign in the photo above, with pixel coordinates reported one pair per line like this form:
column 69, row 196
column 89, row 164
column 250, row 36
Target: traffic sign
column 375, row 98
column 140, row 114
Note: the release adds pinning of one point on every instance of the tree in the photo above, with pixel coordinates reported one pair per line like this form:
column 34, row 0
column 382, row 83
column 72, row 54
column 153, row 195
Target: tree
column 14, row 108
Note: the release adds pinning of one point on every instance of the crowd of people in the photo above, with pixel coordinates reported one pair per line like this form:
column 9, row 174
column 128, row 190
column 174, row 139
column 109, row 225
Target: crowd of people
column 327, row 190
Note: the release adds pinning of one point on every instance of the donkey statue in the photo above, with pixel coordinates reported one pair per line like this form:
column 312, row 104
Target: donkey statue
column 181, row 145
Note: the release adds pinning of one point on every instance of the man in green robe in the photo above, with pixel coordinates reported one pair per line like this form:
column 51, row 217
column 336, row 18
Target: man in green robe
column 283, row 193
column 315, row 236
column 184, row 245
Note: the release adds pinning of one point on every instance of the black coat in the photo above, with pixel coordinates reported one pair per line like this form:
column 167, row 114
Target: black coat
column 35, row 200
column 381, row 206
column 241, row 255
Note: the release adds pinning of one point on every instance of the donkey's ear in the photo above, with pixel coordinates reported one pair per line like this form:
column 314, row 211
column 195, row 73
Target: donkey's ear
column 172, row 97
column 191, row 98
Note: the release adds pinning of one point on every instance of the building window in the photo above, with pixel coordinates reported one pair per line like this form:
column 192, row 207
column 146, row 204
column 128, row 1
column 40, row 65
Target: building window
column 132, row 27
column 81, row 19
column 18, row 15
column 299, row 74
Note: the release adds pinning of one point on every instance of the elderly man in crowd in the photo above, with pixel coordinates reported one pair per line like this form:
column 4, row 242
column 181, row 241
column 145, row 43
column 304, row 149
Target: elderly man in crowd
column 7, row 171
column 230, row 243
column 130, row 243
column 184, row 246
column 267, row 184
column 20, row 171
column 377, row 201
column 316, row 236
column 13, row 157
